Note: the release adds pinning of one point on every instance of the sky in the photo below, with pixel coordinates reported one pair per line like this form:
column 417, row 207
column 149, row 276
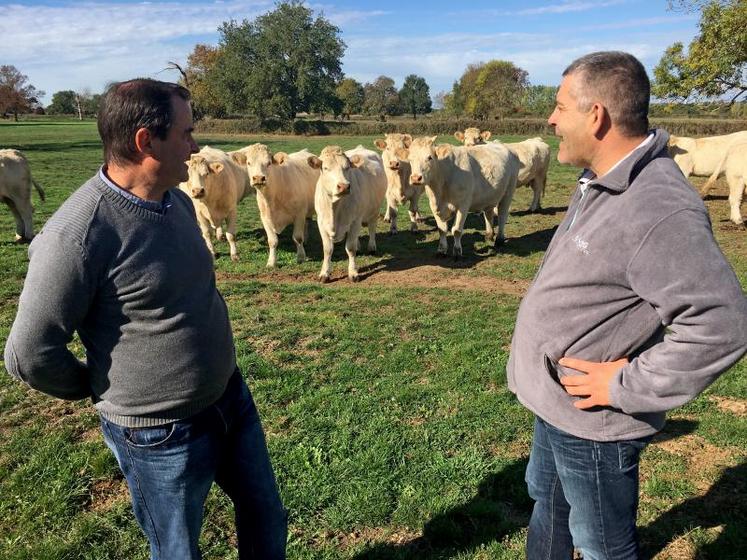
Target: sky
column 77, row 45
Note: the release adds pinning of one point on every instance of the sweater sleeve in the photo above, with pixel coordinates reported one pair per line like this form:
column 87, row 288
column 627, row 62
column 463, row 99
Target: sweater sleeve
column 55, row 299
column 680, row 270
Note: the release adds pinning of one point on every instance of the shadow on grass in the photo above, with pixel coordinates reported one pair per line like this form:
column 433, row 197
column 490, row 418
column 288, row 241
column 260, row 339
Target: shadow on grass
column 500, row 508
column 551, row 211
column 723, row 506
column 58, row 146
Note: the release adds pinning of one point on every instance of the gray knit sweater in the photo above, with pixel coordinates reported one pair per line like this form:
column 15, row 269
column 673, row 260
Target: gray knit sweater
column 638, row 274
column 139, row 288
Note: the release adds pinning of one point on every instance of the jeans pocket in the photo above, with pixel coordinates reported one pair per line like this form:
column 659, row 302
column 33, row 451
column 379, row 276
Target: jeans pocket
column 629, row 452
column 150, row 437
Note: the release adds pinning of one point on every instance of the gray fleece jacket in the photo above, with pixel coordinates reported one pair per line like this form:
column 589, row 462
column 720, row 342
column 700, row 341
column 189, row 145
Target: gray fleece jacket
column 139, row 289
column 637, row 274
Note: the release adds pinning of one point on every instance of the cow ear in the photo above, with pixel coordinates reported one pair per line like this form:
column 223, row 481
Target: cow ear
column 402, row 153
column 196, row 159
column 443, row 150
column 216, row 167
column 356, row 160
column 239, row 157
column 380, row 144
column 485, row 135
column 459, row 135
column 279, row 158
column 406, row 140
column 314, row 162
column 433, row 139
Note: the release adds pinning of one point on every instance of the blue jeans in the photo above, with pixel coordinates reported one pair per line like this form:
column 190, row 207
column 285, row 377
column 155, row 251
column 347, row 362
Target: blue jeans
column 170, row 469
column 586, row 496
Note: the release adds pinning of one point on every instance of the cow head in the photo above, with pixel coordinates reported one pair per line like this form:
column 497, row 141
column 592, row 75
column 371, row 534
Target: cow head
column 200, row 168
column 335, row 167
column 257, row 159
column 472, row 136
column 422, row 156
column 397, row 170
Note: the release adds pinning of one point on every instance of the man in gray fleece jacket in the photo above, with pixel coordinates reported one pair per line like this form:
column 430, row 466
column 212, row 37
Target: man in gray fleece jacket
column 122, row 263
column 633, row 312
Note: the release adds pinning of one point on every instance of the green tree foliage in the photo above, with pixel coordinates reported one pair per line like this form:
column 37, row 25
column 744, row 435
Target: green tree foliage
column 280, row 63
column 415, row 97
column 199, row 77
column 493, row 89
column 16, row 94
column 454, row 101
column 63, row 103
column 539, row 100
column 351, row 96
column 381, row 97
column 715, row 62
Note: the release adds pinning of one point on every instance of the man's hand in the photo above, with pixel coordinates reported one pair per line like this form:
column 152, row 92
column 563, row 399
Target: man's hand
column 595, row 385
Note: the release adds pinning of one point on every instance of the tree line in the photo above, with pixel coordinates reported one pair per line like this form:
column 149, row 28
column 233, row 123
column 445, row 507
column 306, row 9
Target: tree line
column 288, row 61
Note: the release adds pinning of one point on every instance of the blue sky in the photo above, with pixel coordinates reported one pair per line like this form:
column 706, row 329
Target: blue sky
column 71, row 44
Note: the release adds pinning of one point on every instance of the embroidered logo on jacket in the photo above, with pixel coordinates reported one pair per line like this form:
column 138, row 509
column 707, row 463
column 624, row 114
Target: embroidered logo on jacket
column 581, row 245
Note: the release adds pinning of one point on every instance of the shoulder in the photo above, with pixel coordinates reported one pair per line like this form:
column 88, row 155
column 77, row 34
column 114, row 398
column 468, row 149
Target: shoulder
column 72, row 220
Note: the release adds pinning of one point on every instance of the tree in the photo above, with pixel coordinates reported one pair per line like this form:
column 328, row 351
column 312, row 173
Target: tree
column 16, row 94
column 414, row 96
column 454, row 101
column 199, row 77
column 492, row 89
column 715, row 63
column 281, row 63
column 539, row 100
column 381, row 97
column 350, row 93
column 63, row 103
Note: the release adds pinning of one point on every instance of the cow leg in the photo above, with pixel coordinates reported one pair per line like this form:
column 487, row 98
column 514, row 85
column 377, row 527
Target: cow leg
column 20, row 226
column 299, row 229
column 272, row 241
column 502, row 211
column 328, row 244
column 219, row 233
column 413, row 212
column 443, row 229
column 231, row 235
column 390, row 215
column 205, row 228
column 538, row 186
column 488, row 216
column 372, row 235
column 351, row 247
column 736, row 191
column 457, row 229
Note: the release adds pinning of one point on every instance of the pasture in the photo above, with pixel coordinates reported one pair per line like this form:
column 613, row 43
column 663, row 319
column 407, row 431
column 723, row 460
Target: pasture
column 389, row 423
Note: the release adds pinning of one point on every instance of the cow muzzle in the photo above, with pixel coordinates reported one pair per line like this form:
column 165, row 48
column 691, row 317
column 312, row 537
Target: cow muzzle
column 342, row 189
column 416, row 179
column 394, row 165
column 198, row 193
column 259, row 181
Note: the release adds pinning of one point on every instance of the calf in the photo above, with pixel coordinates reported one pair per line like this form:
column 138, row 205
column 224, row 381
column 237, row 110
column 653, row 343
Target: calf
column 349, row 193
column 216, row 185
column 15, row 191
column 399, row 189
column 285, row 186
column 701, row 156
column 459, row 180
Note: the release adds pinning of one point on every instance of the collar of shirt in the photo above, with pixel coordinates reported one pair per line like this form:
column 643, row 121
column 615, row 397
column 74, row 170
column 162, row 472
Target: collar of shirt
column 588, row 174
column 152, row 205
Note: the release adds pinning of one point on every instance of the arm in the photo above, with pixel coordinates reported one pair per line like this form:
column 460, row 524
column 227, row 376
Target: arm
column 680, row 270
column 55, row 299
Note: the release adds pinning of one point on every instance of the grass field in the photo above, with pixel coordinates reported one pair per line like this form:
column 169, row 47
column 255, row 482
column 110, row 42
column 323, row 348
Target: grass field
column 389, row 423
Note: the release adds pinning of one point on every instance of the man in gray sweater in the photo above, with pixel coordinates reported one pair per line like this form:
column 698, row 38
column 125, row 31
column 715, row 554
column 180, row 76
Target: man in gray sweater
column 123, row 264
column 633, row 312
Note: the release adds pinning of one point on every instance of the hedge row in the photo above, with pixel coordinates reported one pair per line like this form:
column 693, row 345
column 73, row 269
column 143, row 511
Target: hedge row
column 509, row 126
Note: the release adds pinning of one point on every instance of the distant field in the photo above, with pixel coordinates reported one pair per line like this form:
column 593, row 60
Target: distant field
column 388, row 419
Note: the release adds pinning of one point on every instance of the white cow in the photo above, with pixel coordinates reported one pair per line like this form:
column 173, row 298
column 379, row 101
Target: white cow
column 459, row 180
column 733, row 164
column 399, row 189
column 534, row 159
column 216, row 185
column 349, row 193
column 285, row 186
column 15, row 191
column 701, row 156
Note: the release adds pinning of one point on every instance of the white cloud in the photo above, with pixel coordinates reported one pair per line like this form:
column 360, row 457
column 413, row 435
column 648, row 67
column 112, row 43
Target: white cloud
column 568, row 6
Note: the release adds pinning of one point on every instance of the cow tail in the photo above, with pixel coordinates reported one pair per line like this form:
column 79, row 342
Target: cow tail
column 39, row 190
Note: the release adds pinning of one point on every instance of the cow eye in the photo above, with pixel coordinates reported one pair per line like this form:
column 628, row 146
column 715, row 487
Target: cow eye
column 430, row 158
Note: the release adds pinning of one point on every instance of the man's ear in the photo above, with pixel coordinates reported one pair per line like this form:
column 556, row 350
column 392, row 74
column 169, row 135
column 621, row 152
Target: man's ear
column 143, row 141
column 599, row 118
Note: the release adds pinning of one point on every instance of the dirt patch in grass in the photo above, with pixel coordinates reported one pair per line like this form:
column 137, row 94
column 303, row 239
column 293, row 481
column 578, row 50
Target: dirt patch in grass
column 423, row 276
column 737, row 407
column 108, row 493
column 368, row 535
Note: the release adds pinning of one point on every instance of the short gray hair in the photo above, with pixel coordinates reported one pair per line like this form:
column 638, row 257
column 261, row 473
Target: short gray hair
column 618, row 80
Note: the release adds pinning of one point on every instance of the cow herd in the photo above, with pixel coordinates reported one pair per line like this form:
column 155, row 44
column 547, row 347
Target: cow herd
column 346, row 189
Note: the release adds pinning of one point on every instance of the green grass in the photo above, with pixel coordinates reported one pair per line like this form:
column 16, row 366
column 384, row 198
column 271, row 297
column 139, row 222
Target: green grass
column 389, row 423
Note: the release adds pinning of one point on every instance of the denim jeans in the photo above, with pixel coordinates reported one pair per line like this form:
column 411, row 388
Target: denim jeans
column 586, row 496
column 170, row 468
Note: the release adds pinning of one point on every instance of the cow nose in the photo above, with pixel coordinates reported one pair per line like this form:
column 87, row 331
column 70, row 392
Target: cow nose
column 342, row 187
column 394, row 165
column 258, row 179
column 198, row 193
column 416, row 179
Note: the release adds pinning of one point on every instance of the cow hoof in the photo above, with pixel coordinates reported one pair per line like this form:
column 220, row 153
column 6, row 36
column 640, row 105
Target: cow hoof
column 499, row 243
column 392, row 232
column 457, row 257
column 440, row 255
column 235, row 258
column 324, row 279
column 355, row 278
